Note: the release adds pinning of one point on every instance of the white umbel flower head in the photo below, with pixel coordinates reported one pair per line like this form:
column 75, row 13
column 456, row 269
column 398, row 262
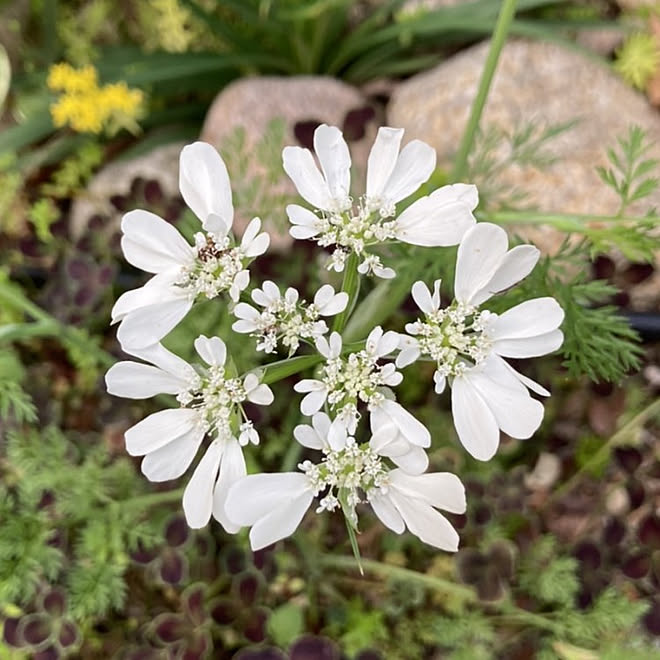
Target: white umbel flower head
column 183, row 272
column 392, row 175
column 210, row 400
column 274, row 504
column 468, row 344
column 346, row 381
column 286, row 318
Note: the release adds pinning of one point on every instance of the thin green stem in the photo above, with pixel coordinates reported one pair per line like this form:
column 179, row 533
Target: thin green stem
column 154, row 499
column 566, row 221
column 345, row 563
column 509, row 611
column 351, row 286
column 650, row 412
column 14, row 297
column 507, row 12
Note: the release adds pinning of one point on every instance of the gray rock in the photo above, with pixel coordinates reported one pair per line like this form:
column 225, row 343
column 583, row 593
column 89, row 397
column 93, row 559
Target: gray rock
column 548, row 84
column 161, row 165
column 251, row 104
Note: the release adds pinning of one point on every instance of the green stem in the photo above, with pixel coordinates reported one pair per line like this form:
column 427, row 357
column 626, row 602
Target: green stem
column 565, row 221
column 502, row 26
column 14, row 297
column 509, row 611
column 276, row 371
column 154, row 499
column 351, row 286
column 651, row 411
column 399, row 573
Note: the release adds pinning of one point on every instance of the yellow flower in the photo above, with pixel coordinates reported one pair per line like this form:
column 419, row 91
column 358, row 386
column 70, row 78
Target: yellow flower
column 63, row 77
column 638, row 59
column 88, row 108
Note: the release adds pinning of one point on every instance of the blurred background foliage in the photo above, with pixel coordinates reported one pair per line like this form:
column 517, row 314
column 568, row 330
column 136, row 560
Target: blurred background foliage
column 560, row 549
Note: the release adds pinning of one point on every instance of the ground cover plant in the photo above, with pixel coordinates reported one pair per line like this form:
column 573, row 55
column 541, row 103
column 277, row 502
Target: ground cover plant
column 391, row 369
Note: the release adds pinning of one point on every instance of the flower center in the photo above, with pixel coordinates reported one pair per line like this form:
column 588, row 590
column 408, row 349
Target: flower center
column 289, row 321
column 342, row 473
column 215, row 268
column 455, row 337
column 215, row 397
column 355, row 378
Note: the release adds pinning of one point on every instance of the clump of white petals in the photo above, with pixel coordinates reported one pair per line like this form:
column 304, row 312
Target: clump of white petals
column 347, row 474
column 183, row 273
column 210, row 402
column 467, row 343
column 287, row 319
column 353, row 227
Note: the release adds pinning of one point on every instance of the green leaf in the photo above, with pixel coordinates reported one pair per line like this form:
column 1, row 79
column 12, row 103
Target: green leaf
column 285, row 624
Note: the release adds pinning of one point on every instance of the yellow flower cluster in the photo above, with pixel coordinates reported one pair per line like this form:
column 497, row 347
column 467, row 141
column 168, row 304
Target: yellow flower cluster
column 88, row 107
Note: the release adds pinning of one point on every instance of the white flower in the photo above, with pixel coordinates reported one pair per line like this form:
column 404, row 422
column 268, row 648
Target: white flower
column 287, row 318
column 468, row 344
column 210, row 403
column 274, row 504
column 347, row 381
column 392, row 175
column 411, row 501
column 183, row 273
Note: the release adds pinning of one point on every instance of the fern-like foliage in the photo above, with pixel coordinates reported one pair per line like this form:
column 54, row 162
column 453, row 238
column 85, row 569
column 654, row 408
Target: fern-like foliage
column 496, row 150
column 630, row 168
column 598, row 341
column 87, row 508
column 15, row 403
column 546, row 577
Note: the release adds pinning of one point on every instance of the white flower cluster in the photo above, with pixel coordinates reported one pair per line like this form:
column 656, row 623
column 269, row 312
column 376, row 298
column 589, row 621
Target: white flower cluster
column 287, row 318
column 382, row 462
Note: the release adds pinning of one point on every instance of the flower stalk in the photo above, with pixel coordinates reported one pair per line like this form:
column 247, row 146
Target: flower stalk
column 504, row 20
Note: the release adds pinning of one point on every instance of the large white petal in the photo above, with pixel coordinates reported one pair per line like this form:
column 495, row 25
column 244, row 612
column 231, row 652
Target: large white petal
column 430, row 222
column 335, row 159
column 517, row 264
column 480, row 254
column 466, row 193
column 414, row 166
column 411, row 428
column 256, row 495
column 426, row 523
column 198, row 495
column 212, row 350
column 516, row 413
column 148, row 325
column 172, row 460
column 475, row 424
column 528, row 319
column 157, row 290
column 281, row 522
column 152, row 244
column 300, row 166
column 387, row 513
column 133, row 380
column 158, row 429
column 382, row 159
column 232, row 468
column 414, row 461
column 529, row 346
column 166, row 360
column 204, row 184
column 443, row 490
column 524, row 380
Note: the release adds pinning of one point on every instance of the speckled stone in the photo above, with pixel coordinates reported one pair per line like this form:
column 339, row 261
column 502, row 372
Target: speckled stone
column 542, row 82
column 252, row 103
column 534, row 81
column 161, row 164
